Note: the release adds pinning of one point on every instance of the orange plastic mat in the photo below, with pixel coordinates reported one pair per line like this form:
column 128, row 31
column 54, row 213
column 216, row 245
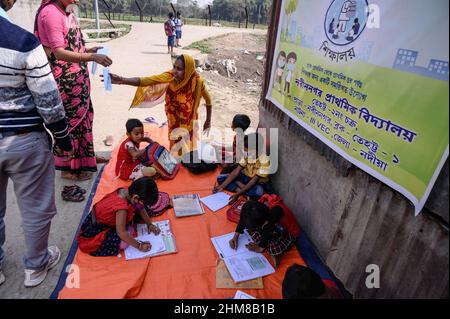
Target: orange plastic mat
column 189, row 273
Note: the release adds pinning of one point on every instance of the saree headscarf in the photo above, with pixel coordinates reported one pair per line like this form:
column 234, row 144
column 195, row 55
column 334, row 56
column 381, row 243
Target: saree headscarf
column 153, row 88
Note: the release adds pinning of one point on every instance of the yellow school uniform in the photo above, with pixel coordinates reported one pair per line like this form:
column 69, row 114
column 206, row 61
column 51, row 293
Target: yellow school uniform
column 259, row 167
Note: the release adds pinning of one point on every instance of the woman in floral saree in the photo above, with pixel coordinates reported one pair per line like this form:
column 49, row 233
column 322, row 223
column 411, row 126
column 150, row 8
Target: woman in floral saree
column 57, row 28
column 183, row 89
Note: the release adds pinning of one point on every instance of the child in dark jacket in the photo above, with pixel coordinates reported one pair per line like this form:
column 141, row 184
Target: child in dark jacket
column 267, row 228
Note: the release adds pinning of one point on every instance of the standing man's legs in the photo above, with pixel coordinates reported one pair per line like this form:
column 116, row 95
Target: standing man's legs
column 3, row 187
column 30, row 166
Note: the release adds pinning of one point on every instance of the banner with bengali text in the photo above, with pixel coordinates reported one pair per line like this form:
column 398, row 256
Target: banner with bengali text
column 370, row 79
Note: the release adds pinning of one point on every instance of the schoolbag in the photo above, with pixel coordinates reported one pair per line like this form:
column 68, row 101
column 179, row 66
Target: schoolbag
column 168, row 28
column 196, row 166
column 160, row 158
column 234, row 212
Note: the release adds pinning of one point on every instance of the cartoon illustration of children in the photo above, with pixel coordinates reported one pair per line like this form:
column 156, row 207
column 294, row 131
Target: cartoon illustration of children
column 281, row 64
column 331, row 27
column 354, row 30
column 346, row 13
column 291, row 61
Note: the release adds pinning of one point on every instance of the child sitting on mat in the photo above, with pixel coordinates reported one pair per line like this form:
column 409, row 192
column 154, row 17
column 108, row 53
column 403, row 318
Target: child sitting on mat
column 265, row 228
column 239, row 125
column 251, row 175
column 128, row 164
column 107, row 228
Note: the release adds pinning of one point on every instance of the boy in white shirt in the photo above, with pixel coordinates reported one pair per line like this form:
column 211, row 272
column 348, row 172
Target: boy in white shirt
column 178, row 25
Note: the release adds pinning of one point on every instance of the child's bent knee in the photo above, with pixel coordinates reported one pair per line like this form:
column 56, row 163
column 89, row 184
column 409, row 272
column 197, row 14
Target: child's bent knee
column 149, row 171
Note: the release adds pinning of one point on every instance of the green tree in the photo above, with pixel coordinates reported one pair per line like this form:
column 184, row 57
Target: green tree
column 291, row 7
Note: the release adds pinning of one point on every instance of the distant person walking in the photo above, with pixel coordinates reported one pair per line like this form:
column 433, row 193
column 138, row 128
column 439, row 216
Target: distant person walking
column 29, row 100
column 169, row 28
column 178, row 29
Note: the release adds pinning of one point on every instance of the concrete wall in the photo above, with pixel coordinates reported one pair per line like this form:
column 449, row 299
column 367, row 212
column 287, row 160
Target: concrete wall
column 23, row 13
column 354, row 219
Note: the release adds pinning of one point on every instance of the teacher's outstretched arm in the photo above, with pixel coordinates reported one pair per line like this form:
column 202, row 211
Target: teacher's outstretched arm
column 116, row 79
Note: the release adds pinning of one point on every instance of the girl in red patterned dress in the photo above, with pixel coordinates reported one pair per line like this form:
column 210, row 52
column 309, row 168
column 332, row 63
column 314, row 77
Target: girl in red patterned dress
column 106, row 230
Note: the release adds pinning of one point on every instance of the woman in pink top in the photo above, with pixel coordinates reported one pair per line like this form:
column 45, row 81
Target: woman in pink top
column 57, row 28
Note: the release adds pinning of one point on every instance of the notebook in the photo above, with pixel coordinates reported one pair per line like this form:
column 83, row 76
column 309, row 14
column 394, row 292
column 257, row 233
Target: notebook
column 187, row 205
column 216, row 201
column 166, row 233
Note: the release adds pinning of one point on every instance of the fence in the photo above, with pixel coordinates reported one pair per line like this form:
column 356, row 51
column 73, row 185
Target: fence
column 249, row 17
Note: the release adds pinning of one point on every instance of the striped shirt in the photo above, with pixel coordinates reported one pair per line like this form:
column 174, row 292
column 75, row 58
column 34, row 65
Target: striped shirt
column 29, row 97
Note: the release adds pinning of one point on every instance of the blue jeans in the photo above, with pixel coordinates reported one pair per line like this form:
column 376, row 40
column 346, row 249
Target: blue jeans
column 254, row 193
column 171, row 41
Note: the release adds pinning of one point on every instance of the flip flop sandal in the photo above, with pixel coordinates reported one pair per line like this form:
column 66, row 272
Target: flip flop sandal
column 71, row 187
column 151, row 120
column 108, row 141
column 72, row 196
column 101, row 160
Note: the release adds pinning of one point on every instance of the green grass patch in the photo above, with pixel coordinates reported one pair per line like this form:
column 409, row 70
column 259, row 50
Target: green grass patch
column 202, row 46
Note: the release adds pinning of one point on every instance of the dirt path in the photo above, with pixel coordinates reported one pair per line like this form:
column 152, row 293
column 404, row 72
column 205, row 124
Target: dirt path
column 141, row 52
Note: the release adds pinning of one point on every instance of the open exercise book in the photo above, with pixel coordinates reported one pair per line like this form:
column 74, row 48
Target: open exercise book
column 216, row 201
column 162, row 244
column 242, row 263
column 187, row 205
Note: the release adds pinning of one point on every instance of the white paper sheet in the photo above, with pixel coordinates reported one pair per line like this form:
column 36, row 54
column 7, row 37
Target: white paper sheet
column 157, row 247
column 107, row 80
column 248, row 266
column 216, row 201
column 222, row 244
column 206, row 152
column 242, row 295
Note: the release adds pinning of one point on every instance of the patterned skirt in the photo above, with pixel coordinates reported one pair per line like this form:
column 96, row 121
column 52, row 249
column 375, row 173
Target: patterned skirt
column 279, row 243
column 110, row 241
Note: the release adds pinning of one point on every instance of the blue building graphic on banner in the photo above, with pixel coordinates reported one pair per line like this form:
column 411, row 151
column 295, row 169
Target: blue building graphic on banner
column 406, row 61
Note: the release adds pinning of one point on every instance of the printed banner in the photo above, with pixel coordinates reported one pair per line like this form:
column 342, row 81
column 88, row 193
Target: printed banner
column 370, row 79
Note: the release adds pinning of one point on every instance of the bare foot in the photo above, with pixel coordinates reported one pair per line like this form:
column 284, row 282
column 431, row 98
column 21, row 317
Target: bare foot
column 76, row 177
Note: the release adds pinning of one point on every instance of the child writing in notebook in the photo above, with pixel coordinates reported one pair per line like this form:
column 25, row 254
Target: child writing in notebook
column 107, row 229
column 272, row 229
column 129, row 165
column 239, row 125
column 251, row 175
